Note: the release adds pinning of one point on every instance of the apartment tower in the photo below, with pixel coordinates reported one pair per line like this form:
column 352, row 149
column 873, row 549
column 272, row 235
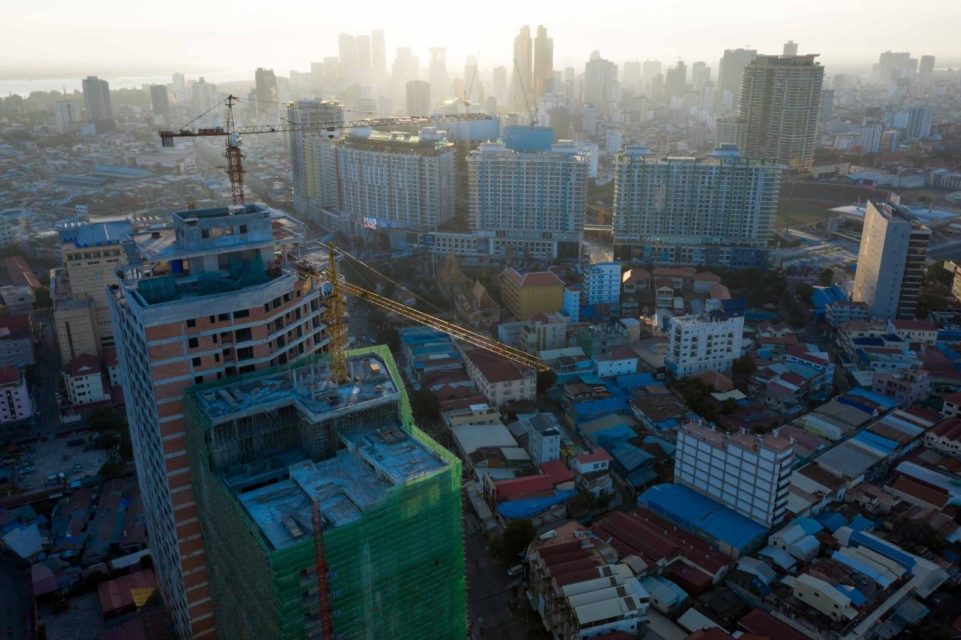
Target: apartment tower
column 212, row 297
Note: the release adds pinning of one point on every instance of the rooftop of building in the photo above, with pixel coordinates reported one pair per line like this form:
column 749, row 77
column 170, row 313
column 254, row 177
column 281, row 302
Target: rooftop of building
column 95, row 234
column 532, row 278
column 742, row 440
column 308, row 387
column 344, row 486
column 429, row 141
column 353, row 473
column 495, row 368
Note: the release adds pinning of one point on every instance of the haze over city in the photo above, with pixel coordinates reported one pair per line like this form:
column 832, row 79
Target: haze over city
column 122, row 38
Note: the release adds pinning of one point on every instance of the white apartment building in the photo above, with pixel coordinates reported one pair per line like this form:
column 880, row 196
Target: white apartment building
column 749, row 474
column 718, row 209
column 602, row 283
column 528, row 198
column 395, row 180
column 706, row 342
column 890, row 262
column 544, row 438
column 83, row 381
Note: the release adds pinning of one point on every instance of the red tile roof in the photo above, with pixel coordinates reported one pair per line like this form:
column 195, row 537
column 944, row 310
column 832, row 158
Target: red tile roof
column 83, row 365
column 18, row 327
column 533, row 278
column 526, row 487
column 558, row 472
column 9, row 375
column 764, row 624
column 597, row 455
column 914, row 325
column 495, row 368
column 935, row 497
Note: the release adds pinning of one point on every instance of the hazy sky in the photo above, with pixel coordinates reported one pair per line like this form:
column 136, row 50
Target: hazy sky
column 117, row 36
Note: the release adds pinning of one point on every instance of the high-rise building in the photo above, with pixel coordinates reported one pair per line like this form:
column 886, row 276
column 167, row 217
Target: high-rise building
column 346, row 455
column 159, row 102
column 96, row 99
column 365, row 63
column 314, row 187
column 892, row 65
column 780, row 102
column 729, row 74
column 67, row 116
column 826, row 111
column 535, row 200
column 395, row 180
column 437, row 75
column 499, row 83
column 919, row 122
column 713, row 210
column 632, row 75
column 265, row 89
column 418, row 98
column 747, row 473
column 522, row 88
column 213, row 298
column 709, row 341
column 890, row 261
column 926, row 68
column 378, row 55
column 205, row 97
column 870, row 140
column 600, row 83
column 347, row 52
column 700, row 75
column 543, row 63
column 675, row 81
column 650, row 70
column 179, row 87
column 790, row 48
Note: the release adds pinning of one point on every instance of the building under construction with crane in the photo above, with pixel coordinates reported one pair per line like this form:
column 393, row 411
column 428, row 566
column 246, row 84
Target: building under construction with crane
column 298, row 477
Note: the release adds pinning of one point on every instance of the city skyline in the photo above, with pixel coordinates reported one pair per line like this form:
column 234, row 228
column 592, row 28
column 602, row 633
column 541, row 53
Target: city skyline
column 146, row 41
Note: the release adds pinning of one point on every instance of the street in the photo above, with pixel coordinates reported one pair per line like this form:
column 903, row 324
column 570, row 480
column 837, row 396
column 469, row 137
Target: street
column 490, row 591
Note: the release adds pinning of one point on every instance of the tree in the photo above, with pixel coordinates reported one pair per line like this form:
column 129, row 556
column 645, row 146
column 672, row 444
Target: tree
column 425, row 405
column 744, row 366
column 390, row 337
column 545, row 380
column 826, row 277
column 518, row 534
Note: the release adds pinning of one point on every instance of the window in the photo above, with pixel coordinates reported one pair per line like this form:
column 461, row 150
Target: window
column 192, row 343
column 243, row 228
column 243, row 313
column 199, row 380
column 191, row 322
column 212, row 319
column 223, row 317
column 196, row 362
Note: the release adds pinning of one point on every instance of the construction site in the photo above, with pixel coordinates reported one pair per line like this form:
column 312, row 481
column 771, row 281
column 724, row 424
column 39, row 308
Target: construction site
column 299, row 476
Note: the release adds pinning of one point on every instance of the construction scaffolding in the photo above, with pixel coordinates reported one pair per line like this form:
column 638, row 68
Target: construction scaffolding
column 395, row 565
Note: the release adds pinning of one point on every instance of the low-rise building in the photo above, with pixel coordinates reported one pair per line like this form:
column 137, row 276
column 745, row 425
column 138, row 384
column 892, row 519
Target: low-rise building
column 15, row 404
column 921, row 331
column 500, row 380
column 18, row 299
column 616, row 362
column 525, row 294
column 705, row 342
column 83, row 380
column 945, row 437
column 544, row 438
column 16, row 342
column 602, row 283
column 907, row 386
column 839, row 313
column 580, row 589
column 593, row 472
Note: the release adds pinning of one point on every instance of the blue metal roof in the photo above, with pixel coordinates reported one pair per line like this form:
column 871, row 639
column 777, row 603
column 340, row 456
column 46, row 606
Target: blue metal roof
column 875, row 441
column 883, row 401
column 862, row 568
column 885, row 549
column 860, row 523
column 609, row 437
column 832, row 520
column 527, row 507
column 699, row 513
column 780, row 557
column 603, row 406
column 809, row 525
column 628, row 456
